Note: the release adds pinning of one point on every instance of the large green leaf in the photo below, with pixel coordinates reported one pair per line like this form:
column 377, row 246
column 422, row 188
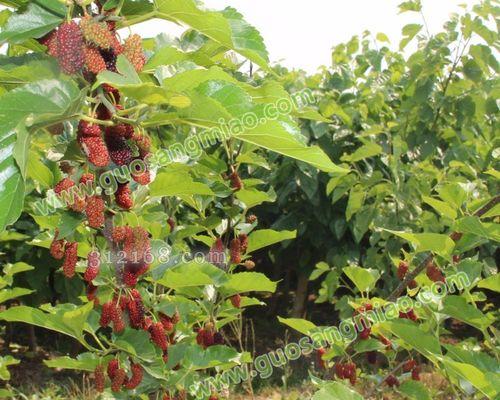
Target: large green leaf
column 414, row 335
column 177, row 183
column 83, row 362
column 192, row 274
column 227, row 27
column 415, row 390
column 67, row 319
column 458, row 308
column 491, row 283
column 364, row 278
column 35, row 104
column 266, row 237
column 472, row 374
column 300, row 325
column 435, row 242
column 36, row 21
column 475, row 226
column 248, row 282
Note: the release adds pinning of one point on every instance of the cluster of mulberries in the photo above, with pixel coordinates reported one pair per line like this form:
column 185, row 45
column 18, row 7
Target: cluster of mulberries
column 434, row 273
column 346, row 371
column 412, row 366
column 91, row 45
column 208, row 336
column 319, row 358
column 68, row 251
column 238, row 247
column 118, row 376
column 401, row 273
column 365, row 331
column 217, row 254
column 408, row 315
column 93, row 206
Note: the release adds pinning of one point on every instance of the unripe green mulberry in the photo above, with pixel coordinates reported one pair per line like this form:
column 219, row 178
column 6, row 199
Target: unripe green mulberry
column 96, row 32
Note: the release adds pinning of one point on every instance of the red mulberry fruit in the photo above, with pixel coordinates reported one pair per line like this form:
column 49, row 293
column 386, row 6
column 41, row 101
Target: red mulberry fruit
column 132, row 49
column 158, row 336
column 70, row 48
column 118, row 380
column 434, row 273
column 87, row 178
column 95, row 211
column 319, row 358
column 123, row 196
column 96, row 151
column 107, row 310
column 236, row 301
column 116, row 317
column 136, row 378
column 402, row 270
column 93, row 60
column 142, row 179
column 124, row 131
column 235, row 250
column 409, row 365
column 57, row 247
column 119, row 151
column 392, row 381
column 217, row 255
column 243, row 237
column 93, row 264
column 119, row 233
column 87, row 129
column 236, row 182
column 113, row 366
column 99, row 379
column 70, row 259
column 50, row 40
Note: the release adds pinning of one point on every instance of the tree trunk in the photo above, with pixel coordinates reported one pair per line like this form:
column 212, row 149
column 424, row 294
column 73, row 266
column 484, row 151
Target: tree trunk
column 300, row 296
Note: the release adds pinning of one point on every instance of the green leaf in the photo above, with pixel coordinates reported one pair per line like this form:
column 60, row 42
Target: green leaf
column 83, row 362
column 490, row 283
column 4, row 363
column 226, row 27
column 35, row 104
column 267, row 237
column 409, row 32
column 192, row 274
column 364, row 278
column 458, row 308
column 300, row 325
column 411, row 5
column 441, row 207
column 247, row 282
column 435, row 242
column 366, row 151
column 475, row 226
column 415, row 390
column 19, row 70
column 355, row 201
column 382, row 37
column 8, row 294
column 337, row 391
column 415, row 336
column 252, row 197
column 67, row 319
column 177, row 183
column 136, row 343
column 35, row 22
column 471, row 374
